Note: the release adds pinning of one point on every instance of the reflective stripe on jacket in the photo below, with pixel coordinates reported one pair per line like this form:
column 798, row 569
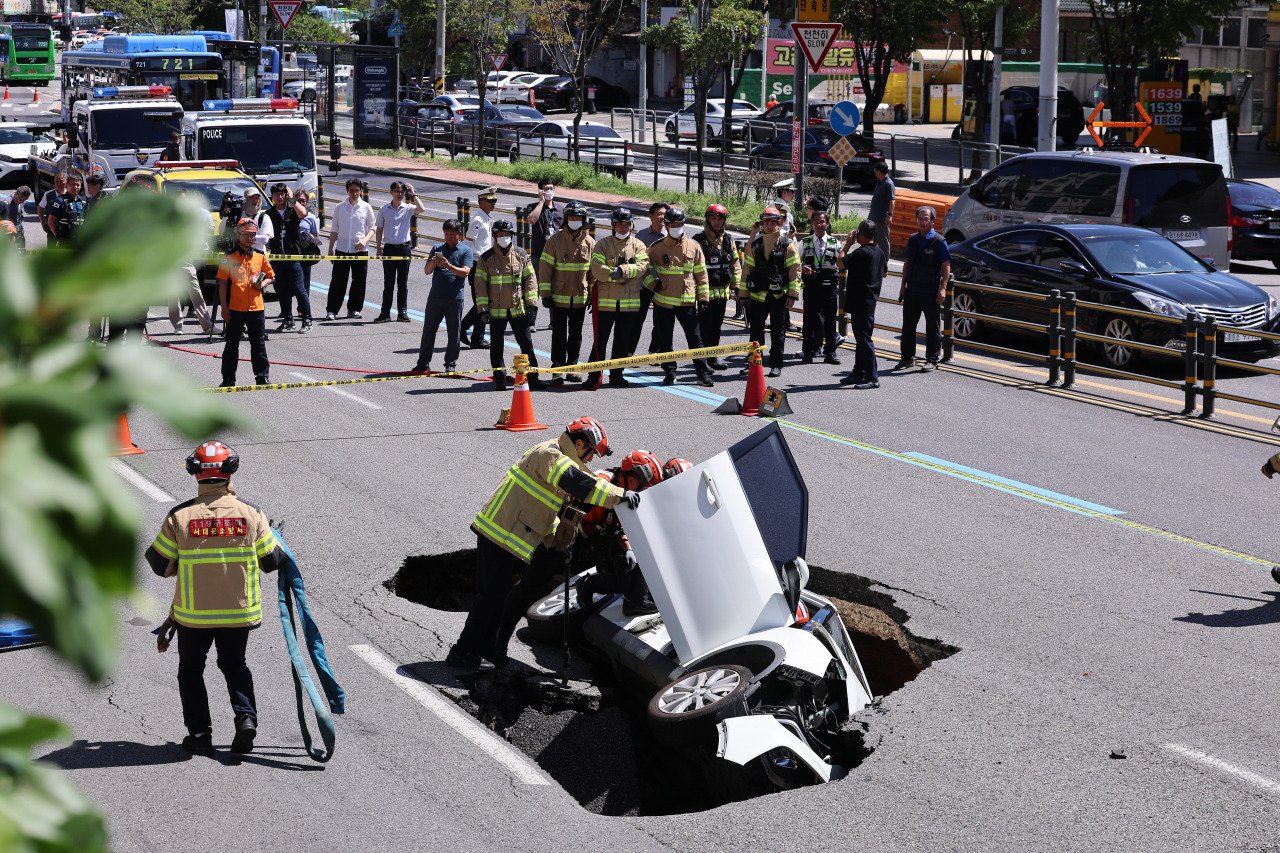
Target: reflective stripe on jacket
column 678, row 272
column 630, row 254
column 505, row 282
column 564, row 266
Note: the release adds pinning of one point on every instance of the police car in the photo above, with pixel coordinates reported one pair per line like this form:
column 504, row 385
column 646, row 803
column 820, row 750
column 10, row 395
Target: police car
column 270, row 138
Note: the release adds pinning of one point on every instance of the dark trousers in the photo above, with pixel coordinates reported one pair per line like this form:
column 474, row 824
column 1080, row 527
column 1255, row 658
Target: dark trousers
column 496, row 571
column 664, row 321
column 625, row 323
column 118, row 327
column 193, row 650
column 646, row 299
column 358, row 271
column 913, row 305
column 395, row 279
column 711, row 321
column 861, row 304
column 449, row 310
column 820, row 318
column 289, row 287
column 774, row 310
column 238, row 324
column 566, row 334
column 520, row 330
column 536, row 581
column 471, row 325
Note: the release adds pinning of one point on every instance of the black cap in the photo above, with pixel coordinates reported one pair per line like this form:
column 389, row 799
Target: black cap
column 675, row 216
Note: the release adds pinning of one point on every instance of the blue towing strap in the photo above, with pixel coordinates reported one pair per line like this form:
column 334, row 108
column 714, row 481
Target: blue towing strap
column 293, row 594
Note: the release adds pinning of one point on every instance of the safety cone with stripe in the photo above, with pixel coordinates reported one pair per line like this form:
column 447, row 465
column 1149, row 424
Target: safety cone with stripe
column 35, row 99
column 124, row 441
column 754, row 396
column 519, row 418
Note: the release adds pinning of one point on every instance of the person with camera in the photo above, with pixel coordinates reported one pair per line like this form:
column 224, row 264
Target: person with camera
column 244, row 274
column 678, row 278
column 618, row 268
column 349, row 237
column 772, row 273
column 393, row 228
column 285, row 215
column 449, row 264
column 545, row 218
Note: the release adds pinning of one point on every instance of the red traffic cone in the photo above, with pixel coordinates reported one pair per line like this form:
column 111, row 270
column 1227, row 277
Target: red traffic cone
column 520, row 418
column 6, row 92
column 36, row 96
column 124, row 441
column 755, row 383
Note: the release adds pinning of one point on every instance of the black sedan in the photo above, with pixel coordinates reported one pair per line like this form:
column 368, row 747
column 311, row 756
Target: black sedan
column 1255, row 222
column 1114, row 265
column 559, row 93
column 771, row 154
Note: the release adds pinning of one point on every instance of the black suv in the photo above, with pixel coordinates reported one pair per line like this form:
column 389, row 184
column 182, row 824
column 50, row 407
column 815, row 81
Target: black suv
column 1026, row 118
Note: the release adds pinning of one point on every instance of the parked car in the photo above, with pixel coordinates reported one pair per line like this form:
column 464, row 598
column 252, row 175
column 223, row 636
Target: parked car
column 553, row 140
column 1114, row 265
column 516, row 89
column 418, row 120
column 558, row 93
column 818, row 142
column 1026, row 118
column 1255, row 222
column 16, row 141
column 516, row 120
column 741, row 661
column 683, row 124
column 456, row 103
column 493, row 80
column 468, row 125
column 1183, row 198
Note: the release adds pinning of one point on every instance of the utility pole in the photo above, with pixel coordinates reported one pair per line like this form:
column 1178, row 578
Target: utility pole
column 994, row 115
column 644, row 75
column 262, row 28
column 800, row 116
column 1046, row 138
column 440, row 36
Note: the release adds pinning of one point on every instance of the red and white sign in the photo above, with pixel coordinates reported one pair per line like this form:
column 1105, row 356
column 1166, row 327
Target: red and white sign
column 498, row 61
column 842, row 59
column 284, row 10
column 797, row 146
column 815, row 40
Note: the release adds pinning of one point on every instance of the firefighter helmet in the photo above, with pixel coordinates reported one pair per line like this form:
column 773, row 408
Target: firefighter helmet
column 620, row 214
column 675, row 216
column 502, row 225
column 575, row 208
column 675, row 466
column 770, row 214
column 592, row 432
column 213, row 460
column 717, row 209
column 644, row 465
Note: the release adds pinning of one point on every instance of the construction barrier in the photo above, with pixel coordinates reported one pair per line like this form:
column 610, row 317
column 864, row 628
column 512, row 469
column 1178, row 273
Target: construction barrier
column 903, row 223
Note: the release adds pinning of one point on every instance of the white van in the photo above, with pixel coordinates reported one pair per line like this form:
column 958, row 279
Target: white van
column 1180, row 197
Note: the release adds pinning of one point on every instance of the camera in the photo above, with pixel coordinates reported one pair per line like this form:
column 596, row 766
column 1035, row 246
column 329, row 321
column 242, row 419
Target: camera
column 229, row 210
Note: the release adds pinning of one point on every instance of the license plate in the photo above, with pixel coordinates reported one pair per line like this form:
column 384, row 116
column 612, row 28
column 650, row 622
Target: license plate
column 1193, row 234
column 1236, row 338
column 1273, row 225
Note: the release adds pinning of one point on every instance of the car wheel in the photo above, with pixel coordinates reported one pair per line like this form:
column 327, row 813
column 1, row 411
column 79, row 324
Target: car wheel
column 965, row 327
column 1115, row 353
column 686, row 706
column 546, row 617
column 672, row 137
column 573, row 103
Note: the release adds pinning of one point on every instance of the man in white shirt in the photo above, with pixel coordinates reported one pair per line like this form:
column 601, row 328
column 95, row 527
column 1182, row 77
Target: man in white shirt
column 252, row 209
column 393, row 243
column 352, row 231
column 480, row 236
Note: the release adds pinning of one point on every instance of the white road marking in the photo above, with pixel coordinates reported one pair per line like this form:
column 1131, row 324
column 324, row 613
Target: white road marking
column 339, row 392
column 144, row 485
column 1271, row 786
column 461, row 722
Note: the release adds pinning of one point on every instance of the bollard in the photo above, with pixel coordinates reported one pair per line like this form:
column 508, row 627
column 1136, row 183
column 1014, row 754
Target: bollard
column 1069, row 342
column 413, row 233
column 926, row 159
column 320, row 200
column 522, row 228
column 655, row 157
column 364, row 190
column 1189, row 361
column 1209, row 334
column 1055, row 336
column 948, row 324
column 464, row 212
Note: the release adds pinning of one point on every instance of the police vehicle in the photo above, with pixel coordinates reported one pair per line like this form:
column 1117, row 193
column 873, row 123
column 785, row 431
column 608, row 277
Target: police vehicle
column 268, row 137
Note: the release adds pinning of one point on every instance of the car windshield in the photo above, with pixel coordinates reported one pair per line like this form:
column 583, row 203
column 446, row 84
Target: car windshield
column 521, row 113
column 1142, row 254
column 824, row 136
column 593, row 131
column 744, row 107
column 260, row 148
column 1257, row 195
column 142, row 127
column 20, row 136
column 212, row 190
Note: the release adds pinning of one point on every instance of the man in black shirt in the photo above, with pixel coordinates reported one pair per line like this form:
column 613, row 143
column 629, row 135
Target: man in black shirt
column 286, row 216
column 865, row 265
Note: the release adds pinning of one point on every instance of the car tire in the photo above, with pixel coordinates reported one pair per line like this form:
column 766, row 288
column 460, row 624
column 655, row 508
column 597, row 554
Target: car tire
column 672, row 136
column 966, row 328
column 573, row 103
column 546, row 617
column 688, row 706
column 1117, row 355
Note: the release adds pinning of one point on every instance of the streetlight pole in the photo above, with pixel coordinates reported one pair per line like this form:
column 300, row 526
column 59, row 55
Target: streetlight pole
column 440, row 37
column 644, row 74
column 1047, row 136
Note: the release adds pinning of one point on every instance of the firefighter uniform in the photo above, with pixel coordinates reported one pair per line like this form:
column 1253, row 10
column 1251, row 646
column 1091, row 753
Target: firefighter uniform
column 772, row 271
column 678, row 279
column 723, row 277
column 562, row 276
column 216, row 544
column 617, row 301
column 821, row 294
column 507, row 290
column 514, row 535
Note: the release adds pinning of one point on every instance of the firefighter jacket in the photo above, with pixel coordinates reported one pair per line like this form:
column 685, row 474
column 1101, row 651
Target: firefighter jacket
column 524, row 510
column 819, row 253
column 564, row 267
column 216, row 544
column 772, row 267
column 678, row 272
column 505, row 283
column 629, row 254
column 723, row 270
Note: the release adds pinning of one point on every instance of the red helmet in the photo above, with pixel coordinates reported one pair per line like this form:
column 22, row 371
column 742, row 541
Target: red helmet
column 592, row 432
column 675, row 466
column 213, row 460
column 717, row 208
column 644, row 465
column 770, row 214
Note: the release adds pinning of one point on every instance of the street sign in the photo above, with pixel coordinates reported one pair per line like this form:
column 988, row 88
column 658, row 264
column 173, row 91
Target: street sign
column 845, row 117
column 498, row 61
column 815, row 40
column 813, row 10
column 284, row 10
column 797, row 145
column 396, row 30
column 841, row 151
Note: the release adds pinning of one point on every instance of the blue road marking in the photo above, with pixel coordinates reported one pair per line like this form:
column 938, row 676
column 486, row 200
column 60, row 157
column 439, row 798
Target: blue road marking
column 1056, row 496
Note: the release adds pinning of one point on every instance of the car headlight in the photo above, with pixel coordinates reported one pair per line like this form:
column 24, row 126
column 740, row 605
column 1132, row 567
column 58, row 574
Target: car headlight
column 1160, row 305
column 1273, row 307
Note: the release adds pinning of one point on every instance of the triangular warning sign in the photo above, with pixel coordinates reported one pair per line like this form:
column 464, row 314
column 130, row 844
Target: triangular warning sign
column 284, row 10
column 815, row 40
column 498, row 61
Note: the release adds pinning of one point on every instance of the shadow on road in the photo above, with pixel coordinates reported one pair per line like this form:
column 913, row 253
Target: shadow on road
column 1266, row 613
column 86, row 755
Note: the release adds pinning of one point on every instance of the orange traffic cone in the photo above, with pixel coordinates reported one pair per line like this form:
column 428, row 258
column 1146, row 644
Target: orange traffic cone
column 520, row 418
column 6, row 92
column 35, row 96
column 124, row 440
column 755, row 383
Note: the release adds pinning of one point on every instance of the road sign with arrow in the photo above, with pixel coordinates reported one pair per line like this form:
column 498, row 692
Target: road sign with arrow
column 845, row 117
column 1144, row 125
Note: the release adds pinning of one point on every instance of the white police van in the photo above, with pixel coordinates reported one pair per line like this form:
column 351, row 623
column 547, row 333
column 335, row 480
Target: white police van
column 269, row 137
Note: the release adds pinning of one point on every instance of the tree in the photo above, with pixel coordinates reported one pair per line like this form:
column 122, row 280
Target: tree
column 708, row 38
column 884, row 35
column 418, row 44
column 155, row 16
column 483, row 27
column 68, row 527
column 306, row 26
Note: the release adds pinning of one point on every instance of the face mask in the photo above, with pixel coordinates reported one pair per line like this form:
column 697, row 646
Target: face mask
column 504, row 242
column 575, row 224
column 676, row 231
column 550, row 194
column 621, row 233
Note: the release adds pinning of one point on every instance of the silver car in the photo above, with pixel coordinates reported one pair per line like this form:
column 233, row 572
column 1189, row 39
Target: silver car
column 598, row 144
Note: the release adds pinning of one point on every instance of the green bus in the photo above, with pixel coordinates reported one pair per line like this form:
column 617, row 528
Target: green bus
column 26, row 54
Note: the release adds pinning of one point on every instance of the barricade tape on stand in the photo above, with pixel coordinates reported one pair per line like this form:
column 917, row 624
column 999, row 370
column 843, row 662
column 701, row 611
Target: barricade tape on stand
column 587, row 367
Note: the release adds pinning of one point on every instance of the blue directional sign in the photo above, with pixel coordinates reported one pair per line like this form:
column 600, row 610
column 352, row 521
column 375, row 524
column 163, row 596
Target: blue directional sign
column 845, row 117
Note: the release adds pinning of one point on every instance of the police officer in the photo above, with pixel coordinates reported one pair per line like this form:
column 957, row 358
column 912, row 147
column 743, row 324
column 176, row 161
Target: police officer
column 215, row 544
column 723, row 277
column 507, row 293
column 66, row 211
column 562, row 284
column 619, row 265
column 678, row 278
column 865, row 265
column 819, row 269
column 926, row 269
column 784, row 203
column 523, row 529
column 772, row 273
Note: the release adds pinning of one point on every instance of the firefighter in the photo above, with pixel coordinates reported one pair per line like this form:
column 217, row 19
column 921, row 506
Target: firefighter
column 675, row 466
column 819, row 259
column 618, row 267
column 216, row 544
column 678, row 278
column 562, row 284
column 723, row 276
column 772, row 273
column 524, row 529
column 507, row 293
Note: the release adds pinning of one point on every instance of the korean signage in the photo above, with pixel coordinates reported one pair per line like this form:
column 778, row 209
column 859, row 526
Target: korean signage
column 813, row 10
column 780, row 58
column 375, row 86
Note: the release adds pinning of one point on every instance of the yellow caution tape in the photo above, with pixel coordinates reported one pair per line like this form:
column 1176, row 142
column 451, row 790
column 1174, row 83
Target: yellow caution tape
column 213, row 259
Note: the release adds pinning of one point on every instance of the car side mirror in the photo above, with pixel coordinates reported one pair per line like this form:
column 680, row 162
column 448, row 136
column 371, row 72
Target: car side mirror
column 1075, row 268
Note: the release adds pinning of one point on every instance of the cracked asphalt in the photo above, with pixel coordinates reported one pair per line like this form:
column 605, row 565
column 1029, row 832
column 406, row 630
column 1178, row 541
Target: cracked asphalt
column 1081, row 632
